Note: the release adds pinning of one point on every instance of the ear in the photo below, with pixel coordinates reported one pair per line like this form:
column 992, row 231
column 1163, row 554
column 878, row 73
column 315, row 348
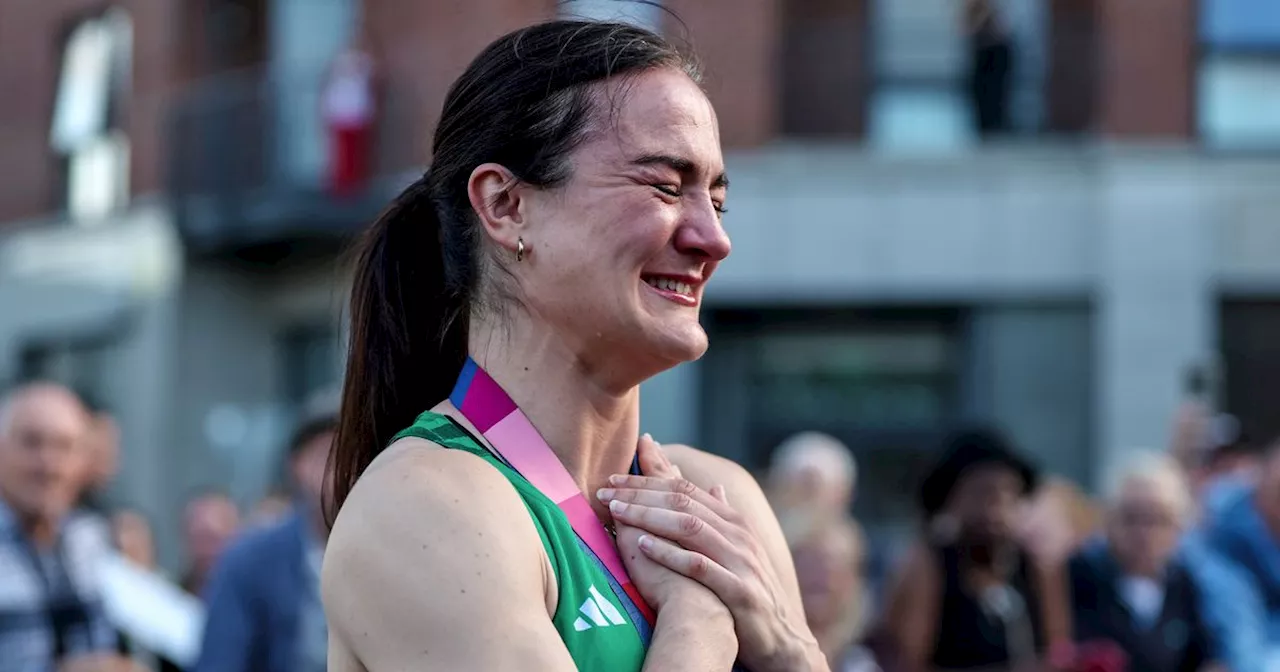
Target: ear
column 495, row 195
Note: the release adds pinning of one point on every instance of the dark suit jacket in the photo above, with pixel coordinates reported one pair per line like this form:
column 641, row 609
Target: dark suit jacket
column 1176, row 642
column 255, row 598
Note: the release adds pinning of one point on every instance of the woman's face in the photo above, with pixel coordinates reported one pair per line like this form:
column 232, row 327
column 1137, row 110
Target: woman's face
column 986, row 500
column 619, row 255
column 829, row 570
column 1145, row 527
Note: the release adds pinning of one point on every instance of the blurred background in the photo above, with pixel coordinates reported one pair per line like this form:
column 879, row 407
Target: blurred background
column 1050, row 242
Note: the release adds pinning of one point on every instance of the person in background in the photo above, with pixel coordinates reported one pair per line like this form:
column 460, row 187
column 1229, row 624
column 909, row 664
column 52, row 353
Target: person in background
column 264, row 597
column 1193, row 430
column 972, row 594
column 210, row 521
column 1232, row 460
column 1243, row 527
column 829, row 564
column 104, row 461
column 131, row 533
column 51, row 614
column 270, row 509
column 991, row 52
column 1058, row 500
column 349, row 107
column 811, row 481
column 1130, row 588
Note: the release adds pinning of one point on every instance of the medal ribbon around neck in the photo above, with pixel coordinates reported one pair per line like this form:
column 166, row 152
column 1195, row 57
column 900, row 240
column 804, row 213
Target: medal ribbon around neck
column 517, row 442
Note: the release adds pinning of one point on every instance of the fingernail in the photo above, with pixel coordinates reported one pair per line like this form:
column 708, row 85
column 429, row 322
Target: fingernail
column 616, row 479
column 646, row 542
column 604, row 494
column 617, row 506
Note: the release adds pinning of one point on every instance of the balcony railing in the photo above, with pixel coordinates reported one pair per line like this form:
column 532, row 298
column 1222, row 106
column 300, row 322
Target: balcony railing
column 248, row 164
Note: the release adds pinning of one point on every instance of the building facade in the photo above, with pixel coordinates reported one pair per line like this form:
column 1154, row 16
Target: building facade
column 169, row 247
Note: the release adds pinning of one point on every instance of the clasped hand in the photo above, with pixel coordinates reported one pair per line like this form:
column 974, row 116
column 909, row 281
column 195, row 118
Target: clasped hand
column 699, row 534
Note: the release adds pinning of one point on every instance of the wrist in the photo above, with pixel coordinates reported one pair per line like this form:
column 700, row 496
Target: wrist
column 700, row 607
column 800, row 654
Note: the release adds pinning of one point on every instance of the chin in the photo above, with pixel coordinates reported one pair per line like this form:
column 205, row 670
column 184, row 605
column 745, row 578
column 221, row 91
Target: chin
column 685, row 347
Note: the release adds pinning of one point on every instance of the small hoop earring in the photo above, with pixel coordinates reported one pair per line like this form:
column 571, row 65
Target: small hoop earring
column 519, row 249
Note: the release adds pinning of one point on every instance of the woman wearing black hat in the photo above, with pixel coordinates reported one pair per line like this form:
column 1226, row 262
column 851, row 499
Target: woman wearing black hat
column 972, row 595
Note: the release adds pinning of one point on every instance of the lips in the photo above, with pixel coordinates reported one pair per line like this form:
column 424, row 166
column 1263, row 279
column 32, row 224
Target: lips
column 681, row 289
column 670, row 285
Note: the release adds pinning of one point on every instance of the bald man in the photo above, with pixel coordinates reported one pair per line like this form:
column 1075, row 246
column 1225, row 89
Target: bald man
column 814, row 472
column 50, row 613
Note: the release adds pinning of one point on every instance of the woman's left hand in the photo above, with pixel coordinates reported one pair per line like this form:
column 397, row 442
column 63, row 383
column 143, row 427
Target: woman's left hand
column 697, row 533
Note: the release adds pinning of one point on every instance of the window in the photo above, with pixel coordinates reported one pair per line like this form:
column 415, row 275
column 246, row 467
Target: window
column 887, row 383
column 1250, row 342
column 1239, row 93
column 644, row 14
column 948, row 72
column 86, row 129
column 919, row 58
column 79, row 363
column 312, row 364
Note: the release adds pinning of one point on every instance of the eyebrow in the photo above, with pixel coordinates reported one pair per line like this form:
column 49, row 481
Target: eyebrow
column 680, row 165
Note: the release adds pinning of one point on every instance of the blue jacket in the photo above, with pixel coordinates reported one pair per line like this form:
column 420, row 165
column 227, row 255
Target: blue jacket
column 256, row 597
column 1237, row 560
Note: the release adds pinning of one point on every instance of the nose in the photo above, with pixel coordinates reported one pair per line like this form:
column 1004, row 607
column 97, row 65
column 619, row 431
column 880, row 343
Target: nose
column 702, row 234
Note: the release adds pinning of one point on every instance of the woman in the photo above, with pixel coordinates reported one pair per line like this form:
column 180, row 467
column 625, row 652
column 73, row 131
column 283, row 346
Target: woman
column 829, row 561
column 975, row 595
column 512, row 300
column 1130, row 589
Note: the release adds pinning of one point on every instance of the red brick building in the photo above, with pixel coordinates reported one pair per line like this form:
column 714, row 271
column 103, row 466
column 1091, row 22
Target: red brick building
column 167, row 244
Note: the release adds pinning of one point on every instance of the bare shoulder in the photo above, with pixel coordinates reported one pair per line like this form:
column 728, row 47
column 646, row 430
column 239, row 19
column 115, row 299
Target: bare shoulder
column 706, row 470
column 424, row 542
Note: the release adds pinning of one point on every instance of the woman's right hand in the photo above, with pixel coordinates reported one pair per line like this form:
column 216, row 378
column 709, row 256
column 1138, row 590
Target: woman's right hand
column 664, row 589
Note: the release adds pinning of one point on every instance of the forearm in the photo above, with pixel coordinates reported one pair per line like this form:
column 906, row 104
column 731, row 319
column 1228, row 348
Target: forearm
column 688, row 640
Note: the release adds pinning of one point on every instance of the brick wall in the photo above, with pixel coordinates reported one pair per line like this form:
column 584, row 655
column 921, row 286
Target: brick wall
column 30, row 60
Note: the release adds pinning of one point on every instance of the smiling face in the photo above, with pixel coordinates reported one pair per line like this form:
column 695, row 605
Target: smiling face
column 619, row 255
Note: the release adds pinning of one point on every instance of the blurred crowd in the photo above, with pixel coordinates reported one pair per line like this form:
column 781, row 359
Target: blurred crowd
column 1174, row 566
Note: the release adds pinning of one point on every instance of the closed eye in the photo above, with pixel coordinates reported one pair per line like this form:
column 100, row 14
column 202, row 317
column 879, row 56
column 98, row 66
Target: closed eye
column 668, row 189
column 674, row 192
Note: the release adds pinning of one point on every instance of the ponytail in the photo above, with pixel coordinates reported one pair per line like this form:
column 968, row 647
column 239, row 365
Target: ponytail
column 401, row 293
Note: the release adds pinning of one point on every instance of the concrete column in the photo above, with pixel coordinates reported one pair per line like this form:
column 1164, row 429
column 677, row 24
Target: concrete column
column 1155, row 300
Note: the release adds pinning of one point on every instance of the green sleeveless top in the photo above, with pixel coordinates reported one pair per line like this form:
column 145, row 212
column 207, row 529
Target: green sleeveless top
column 596, row 628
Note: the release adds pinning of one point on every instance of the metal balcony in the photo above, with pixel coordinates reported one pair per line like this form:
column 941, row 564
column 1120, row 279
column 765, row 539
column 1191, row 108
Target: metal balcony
column 248, row 157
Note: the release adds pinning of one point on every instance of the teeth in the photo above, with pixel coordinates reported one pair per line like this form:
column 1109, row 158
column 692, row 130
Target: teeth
column 671, row 285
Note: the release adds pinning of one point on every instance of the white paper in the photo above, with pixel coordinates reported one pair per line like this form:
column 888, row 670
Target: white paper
column 152, row 611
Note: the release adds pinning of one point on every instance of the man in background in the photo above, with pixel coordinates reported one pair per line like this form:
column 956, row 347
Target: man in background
column 51, row 615
column 1243, row 526
column 211, row 521
column 264, row 597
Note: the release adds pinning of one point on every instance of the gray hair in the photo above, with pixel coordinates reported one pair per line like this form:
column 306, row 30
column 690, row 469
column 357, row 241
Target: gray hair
column 1158, row 470
column 814, row 451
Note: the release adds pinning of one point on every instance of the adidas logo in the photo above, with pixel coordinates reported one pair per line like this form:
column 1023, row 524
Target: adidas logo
column 598, row 612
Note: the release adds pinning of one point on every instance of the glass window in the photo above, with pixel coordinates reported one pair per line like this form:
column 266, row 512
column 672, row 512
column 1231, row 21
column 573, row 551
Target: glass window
column 919, row 56
column 1250, row 342
column 644, row 14
column 1239, row 75
column 79, row 364
column 312, row 364
column 885, row 384
column 86, row 129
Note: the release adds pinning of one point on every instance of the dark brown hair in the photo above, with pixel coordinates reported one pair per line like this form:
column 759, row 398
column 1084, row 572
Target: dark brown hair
column 525, row 102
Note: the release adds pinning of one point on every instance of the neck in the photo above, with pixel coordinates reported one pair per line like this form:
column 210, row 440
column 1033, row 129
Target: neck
column 42, row 532
column 587, row 409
